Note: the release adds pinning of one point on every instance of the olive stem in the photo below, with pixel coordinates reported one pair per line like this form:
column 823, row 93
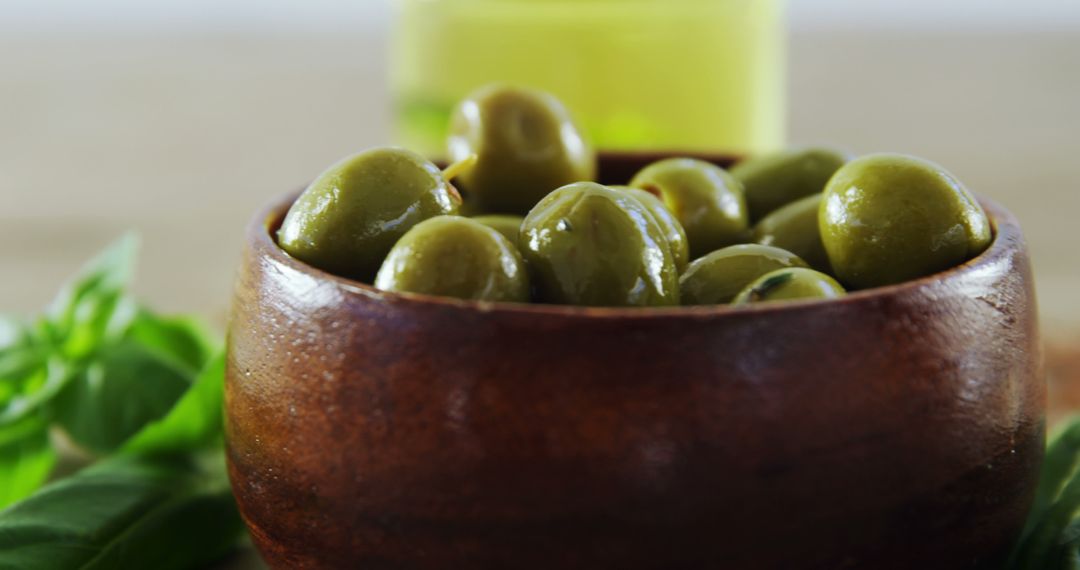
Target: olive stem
column 464, row 165
column 761, row 292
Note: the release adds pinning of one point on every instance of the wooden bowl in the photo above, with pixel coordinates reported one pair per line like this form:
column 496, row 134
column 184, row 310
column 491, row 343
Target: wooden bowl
column 900, row 427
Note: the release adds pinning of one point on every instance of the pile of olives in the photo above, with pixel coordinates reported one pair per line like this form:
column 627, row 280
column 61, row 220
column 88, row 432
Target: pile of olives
column 533, row 226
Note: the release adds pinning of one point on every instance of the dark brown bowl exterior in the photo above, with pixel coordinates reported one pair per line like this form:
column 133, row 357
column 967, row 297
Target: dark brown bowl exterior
column 896, row 428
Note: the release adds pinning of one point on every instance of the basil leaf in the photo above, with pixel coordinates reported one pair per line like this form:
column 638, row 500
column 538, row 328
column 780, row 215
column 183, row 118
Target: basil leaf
column 114, row 397
column 94, row 306
column 16, row 343
column 16, row 366
column 194, row 423
column 1045, row 535
column 90, row 312
column 1060, row 462
column 26, row 459
column 182, row 340
column 19, row 358
column 124, row 513
column 1046, row 541
column 1069, row 541
column 114, row 376
column 30, row 393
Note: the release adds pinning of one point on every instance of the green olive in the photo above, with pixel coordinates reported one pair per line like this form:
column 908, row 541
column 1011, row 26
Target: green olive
column 888, row 218
column 773, row 180
column 526, row 146
column 347, row 220
column 706, row 200
column 794, row 227
column 788, row 284
column 718, row 277
column 457, row 257
column 507, row 225
column 468, row 207
column 587, row 244
column 673, row 230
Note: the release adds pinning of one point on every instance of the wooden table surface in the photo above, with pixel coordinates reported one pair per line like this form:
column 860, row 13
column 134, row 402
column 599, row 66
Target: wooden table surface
column 181, row 138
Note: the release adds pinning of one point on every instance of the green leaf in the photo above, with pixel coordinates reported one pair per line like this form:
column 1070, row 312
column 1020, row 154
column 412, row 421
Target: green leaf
column 1059, row 464
column 124, row 513
column 184, row 341
column 114, row 376
column 1068, row 544
column 19, row 358
column 90, row 312
column 30, row 393
column 114, row 397
column 1044, row 537
column 1046, row 541
column 94, row 307
column 26, row 459
column 208, row 526
column 15, row 339
column 16, row 364
column 194, row 423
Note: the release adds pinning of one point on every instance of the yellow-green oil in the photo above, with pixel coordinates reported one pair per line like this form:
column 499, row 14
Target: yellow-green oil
column 692, row 75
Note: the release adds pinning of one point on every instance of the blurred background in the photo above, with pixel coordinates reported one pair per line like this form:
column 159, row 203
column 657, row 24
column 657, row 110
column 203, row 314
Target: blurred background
column 178, row 118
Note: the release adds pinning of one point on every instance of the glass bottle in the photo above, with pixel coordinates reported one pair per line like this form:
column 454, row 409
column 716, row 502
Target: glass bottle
column 658, row 75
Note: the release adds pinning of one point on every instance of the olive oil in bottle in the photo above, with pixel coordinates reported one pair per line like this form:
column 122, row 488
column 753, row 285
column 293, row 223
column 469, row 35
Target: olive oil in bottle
column 692, row 75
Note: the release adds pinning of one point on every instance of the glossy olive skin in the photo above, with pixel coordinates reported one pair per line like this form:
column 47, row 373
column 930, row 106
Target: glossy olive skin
column 790, row 284
column 774, row 180
column 347, row 220
column 526, row 145
column 889, row 218
column 707, row 201
column 589, row 245
column 718, row 277
column 507, row 225
column 794, row 227
column 673, row 230
column 452, row 256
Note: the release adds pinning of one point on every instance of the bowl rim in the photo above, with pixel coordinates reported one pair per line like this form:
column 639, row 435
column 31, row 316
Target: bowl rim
column 1007, row 239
